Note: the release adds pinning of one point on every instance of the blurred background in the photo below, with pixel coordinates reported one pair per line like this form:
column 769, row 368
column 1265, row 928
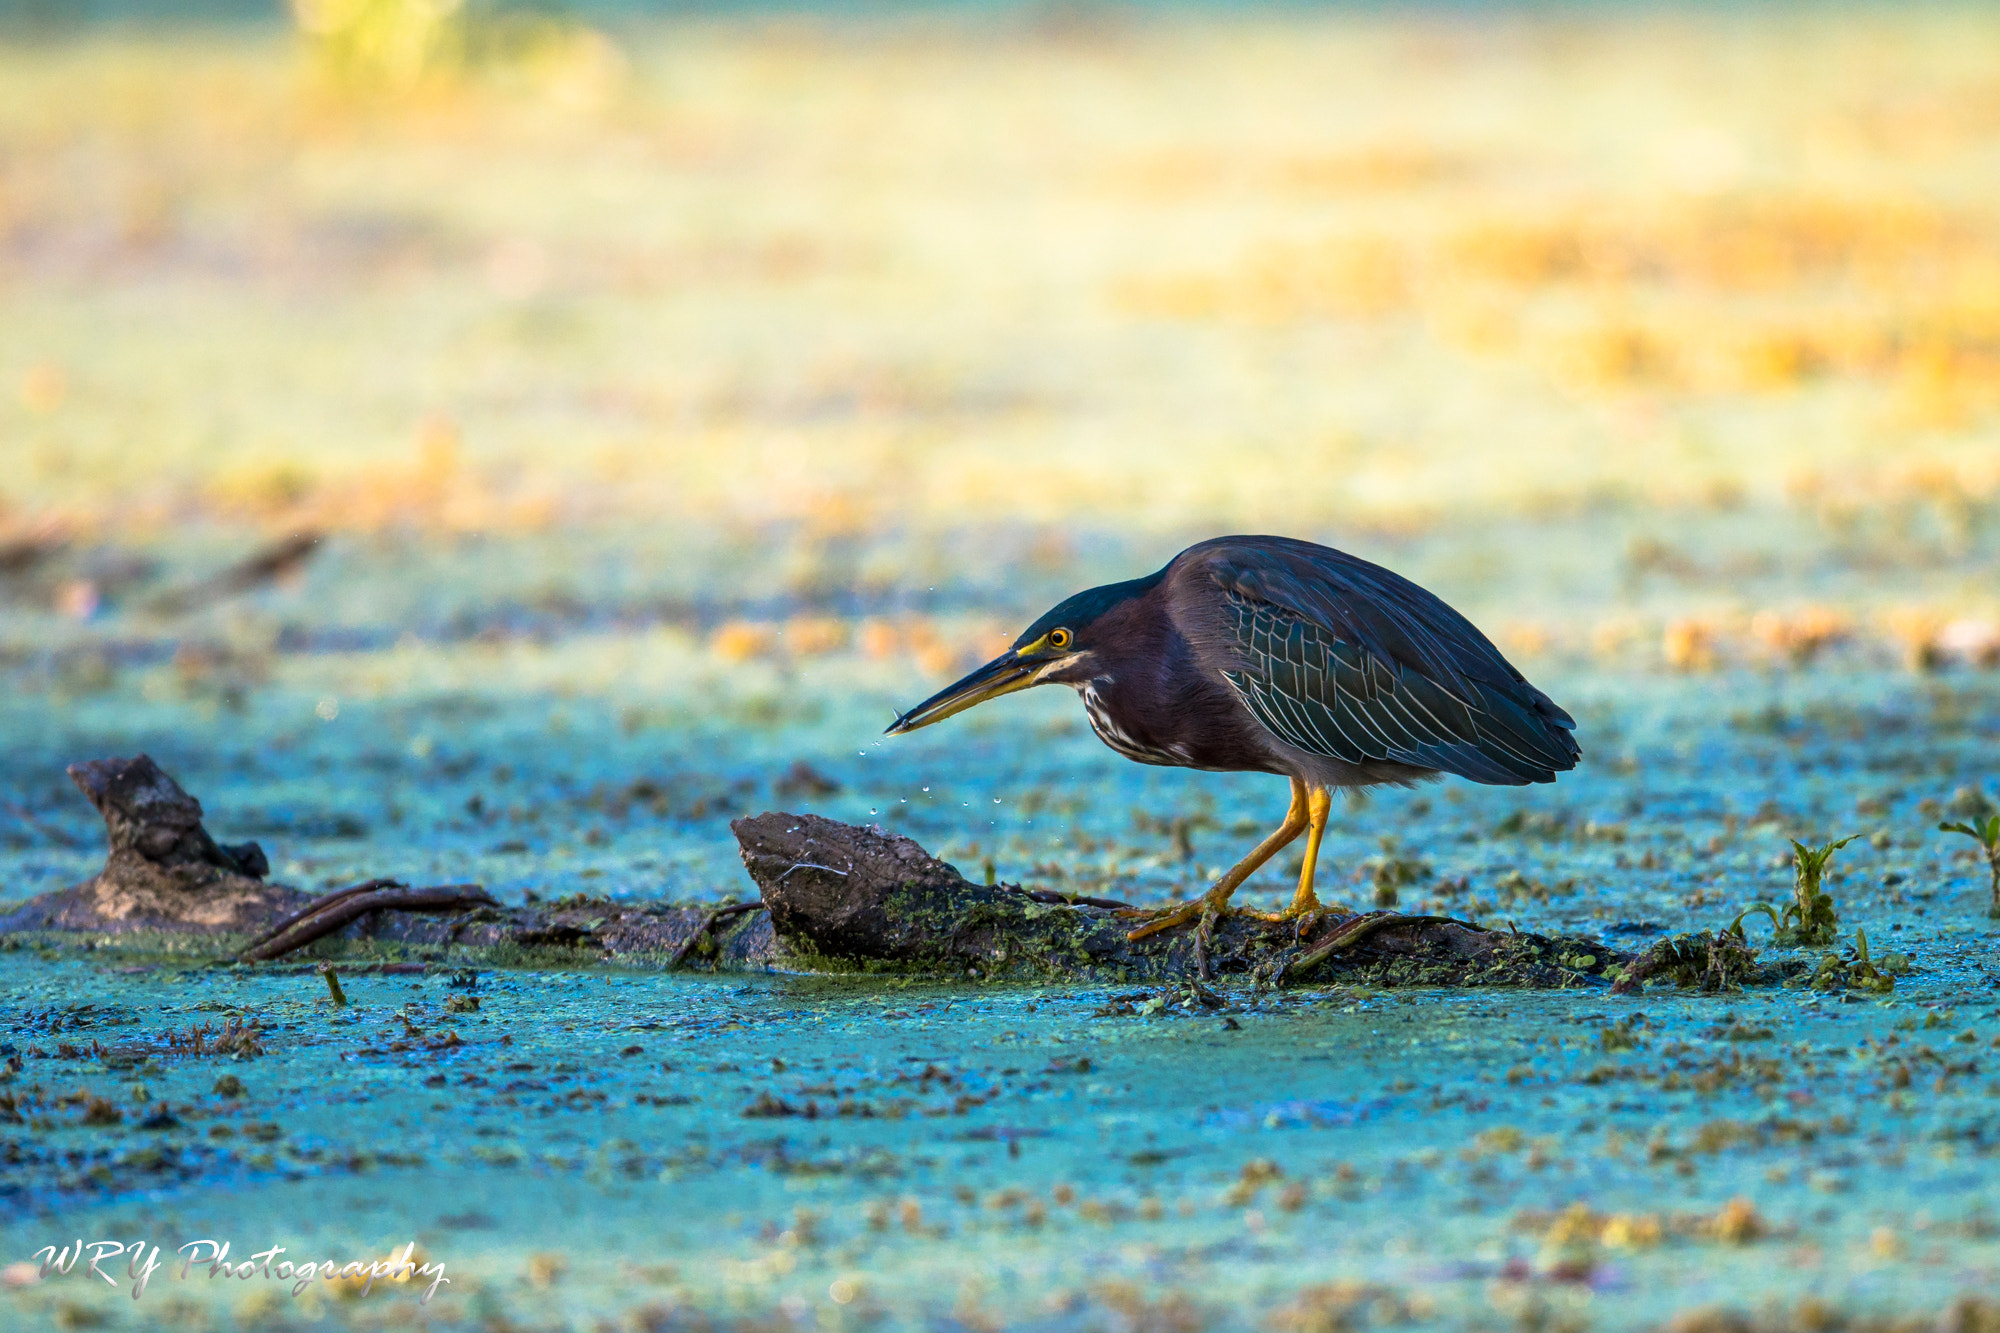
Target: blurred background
column 405, row 398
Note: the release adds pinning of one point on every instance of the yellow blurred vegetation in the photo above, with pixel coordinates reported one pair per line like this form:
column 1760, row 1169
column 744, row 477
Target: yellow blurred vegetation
column 44, row 387
column 1753, row 293
column 374, row 47
column 1571, row 1237
column 383, row 41
column 938, row 648
column 433, row 265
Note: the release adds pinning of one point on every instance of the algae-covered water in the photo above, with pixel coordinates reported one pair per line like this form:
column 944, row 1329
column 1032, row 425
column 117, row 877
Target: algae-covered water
column 651, row 1150
column 813, row 1151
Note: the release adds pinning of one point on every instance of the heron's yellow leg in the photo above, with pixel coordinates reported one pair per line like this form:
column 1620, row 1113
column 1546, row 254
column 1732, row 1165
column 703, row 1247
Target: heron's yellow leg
column 1306, row 903
column 1319, row 807
column 1297, row 819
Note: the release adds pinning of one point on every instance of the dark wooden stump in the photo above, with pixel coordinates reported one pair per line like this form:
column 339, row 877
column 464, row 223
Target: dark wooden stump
column 164, row 873
column 163, row 870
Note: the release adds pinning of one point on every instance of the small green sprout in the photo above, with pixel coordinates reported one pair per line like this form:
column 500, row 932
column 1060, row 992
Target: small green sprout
column 333, row 989
column 1810, row 917
column 1736, row 927
column 1986, row 832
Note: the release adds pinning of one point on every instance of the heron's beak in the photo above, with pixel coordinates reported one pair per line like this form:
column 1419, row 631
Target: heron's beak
column 1003, row 675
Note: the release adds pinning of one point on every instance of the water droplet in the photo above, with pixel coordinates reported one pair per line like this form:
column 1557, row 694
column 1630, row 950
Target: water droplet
column 873, row 811
column 927, row 789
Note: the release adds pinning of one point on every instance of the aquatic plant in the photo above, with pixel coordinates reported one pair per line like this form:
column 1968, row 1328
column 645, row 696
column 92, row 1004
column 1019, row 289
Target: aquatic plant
column 1986, row 832
column 1810, row 918
column 1862, row 973
column 1736, row 927
column 1853, row 972
column 238, row 1037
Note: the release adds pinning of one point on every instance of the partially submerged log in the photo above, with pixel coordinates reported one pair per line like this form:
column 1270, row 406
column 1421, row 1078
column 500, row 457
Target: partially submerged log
column 840, row 898
column 727, row 937
column 164, row 874
column 849, row 898
column 163, row 870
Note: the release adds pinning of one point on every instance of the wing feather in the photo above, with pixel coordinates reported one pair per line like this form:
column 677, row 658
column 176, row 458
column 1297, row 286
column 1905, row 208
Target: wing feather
column 1345, row 659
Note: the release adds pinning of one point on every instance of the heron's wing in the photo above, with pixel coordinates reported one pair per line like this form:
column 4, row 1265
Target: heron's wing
column 1343, row 658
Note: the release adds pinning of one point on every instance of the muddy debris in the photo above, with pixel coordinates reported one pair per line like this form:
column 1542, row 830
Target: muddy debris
column 1716, row 962
column 802, row 779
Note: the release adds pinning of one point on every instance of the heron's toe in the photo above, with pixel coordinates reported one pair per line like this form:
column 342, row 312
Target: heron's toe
column 1167, row 918
column 1175, row 916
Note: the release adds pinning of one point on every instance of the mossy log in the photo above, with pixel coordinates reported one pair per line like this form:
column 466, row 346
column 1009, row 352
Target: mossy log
column 840, row 898
column 848, row 898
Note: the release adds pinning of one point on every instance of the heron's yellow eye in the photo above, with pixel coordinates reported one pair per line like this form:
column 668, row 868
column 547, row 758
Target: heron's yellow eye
column 1058, row 638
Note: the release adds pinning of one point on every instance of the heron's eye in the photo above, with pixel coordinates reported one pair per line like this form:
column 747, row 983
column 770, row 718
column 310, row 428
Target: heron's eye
column 1058, row 638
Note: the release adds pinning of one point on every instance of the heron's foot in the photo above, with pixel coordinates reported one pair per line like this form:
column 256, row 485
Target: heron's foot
column 1308, row 915
column 1306, row 912
column 1166, row 918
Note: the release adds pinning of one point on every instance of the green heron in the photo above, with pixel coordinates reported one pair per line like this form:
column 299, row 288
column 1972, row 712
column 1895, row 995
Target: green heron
column 1271, row 655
